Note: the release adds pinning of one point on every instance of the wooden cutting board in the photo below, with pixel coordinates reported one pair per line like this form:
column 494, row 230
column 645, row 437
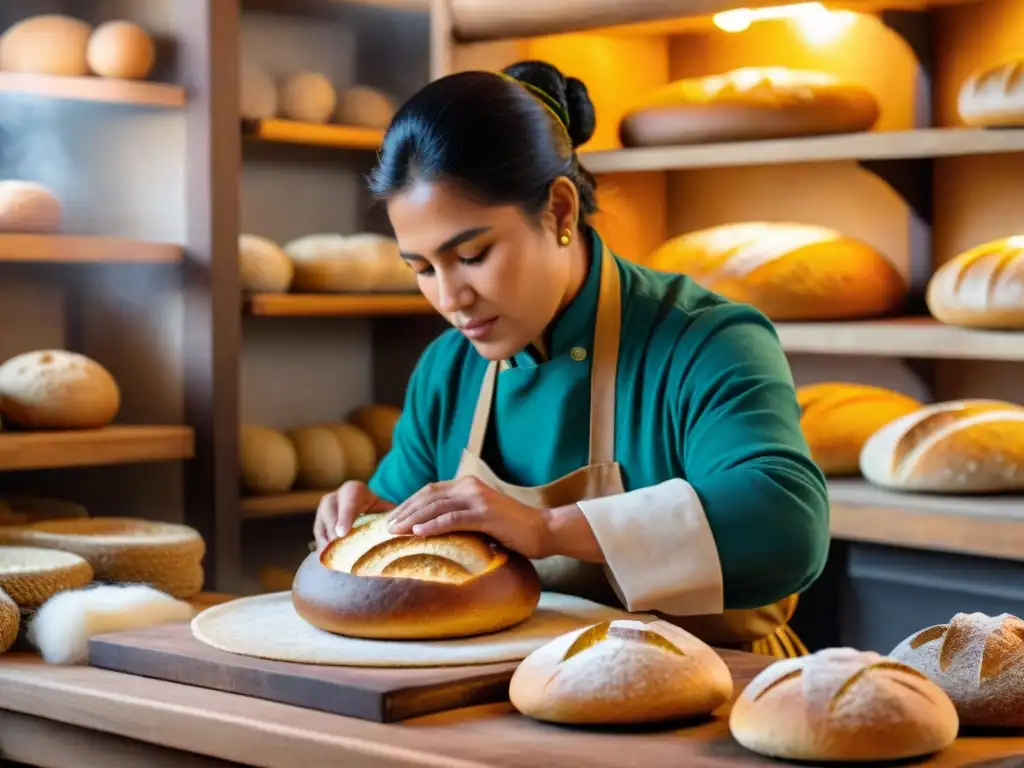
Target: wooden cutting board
column 170, row 652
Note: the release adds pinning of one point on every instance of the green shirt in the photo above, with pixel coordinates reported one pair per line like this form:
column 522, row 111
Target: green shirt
column 704, row 393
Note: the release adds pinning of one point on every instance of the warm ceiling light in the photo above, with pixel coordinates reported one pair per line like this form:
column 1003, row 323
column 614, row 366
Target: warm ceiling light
column 816, row 22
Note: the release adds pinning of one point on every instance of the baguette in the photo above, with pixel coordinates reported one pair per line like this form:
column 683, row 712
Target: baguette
column 374, row 584
column 982, row 287
column 959, row 446
column 843, row 704
column 788, row 271
column 838, row 418
column 620, row 672
column 994, row 95
column 978, row 661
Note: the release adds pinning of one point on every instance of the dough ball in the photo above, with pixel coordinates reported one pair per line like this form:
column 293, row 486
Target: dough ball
column 258, row 98
column 359, row 451
column 28, row 208
column 308, row 97
column 55, row 389
column 321, row 461
column 267, row 461
column 378, row 421
column 121, row 49
column 366, row 107
column 263, row 265
column 51, row 44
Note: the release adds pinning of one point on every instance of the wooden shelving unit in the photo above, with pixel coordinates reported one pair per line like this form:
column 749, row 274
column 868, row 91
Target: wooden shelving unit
column 336, row 305
column 141, row 94
column 312, row 134
column 119, row 444
column 74, row 249
column 281, row 505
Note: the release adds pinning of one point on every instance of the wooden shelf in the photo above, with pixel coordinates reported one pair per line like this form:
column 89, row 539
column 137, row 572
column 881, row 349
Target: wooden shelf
column 76, row 249
column 138, row 93
column 313, row 134
column 987, row 526
column 281, row 505
column 336, row 305
column 119, row 444
column 888, row 145
column 915, row 337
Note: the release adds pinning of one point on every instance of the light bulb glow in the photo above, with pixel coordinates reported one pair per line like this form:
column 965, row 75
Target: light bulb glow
column 1017, row 241
column 816, row 23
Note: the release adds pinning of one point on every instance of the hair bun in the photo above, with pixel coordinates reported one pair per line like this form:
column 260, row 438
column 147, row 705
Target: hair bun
column 570, row 93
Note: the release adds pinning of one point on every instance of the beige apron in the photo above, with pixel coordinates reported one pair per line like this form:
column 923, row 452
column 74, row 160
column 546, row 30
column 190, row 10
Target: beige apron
column 762, row 630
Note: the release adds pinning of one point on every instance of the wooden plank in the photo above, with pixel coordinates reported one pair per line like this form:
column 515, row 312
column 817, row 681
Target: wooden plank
column 282, row 504
column 64, row 249
column 313, row 134
column 119, row 444
column 337, row 304
column 880, row 145
column 101, row 89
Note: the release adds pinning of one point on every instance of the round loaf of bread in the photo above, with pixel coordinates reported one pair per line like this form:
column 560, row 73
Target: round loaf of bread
column 121, row 49
column 335, row 263
column 959, row 446
column 267, row 460
column 378, row 420
column 55, row 389
column 837, row 418
column 308, row 97
column 978, row 660
column 263, row 266
column 982, row 287
column 31, row 575
column 28, row 208
column 257, row 92
column 374, row 584
column 993, row 96
column 365, row 107
column 10, row 622
column 321, row 458
column 843, row 704
column 748, row 104
column 621, row 672
column 50, row 44
column 788, row 271
column 358, row 449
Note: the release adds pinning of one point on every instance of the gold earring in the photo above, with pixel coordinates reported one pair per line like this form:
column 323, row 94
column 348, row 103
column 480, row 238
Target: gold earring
column 565, row 238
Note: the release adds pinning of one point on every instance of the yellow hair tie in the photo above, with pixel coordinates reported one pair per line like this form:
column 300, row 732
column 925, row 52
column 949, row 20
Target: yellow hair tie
column 545, row 98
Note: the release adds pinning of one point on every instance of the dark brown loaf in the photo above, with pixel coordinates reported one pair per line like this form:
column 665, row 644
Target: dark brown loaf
column 374, row 584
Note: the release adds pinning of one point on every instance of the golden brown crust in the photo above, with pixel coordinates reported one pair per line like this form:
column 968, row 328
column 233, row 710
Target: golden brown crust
column 982, row 287
column 994, row 95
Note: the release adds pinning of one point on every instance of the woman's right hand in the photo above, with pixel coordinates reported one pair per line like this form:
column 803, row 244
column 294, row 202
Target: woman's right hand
column 339, row 509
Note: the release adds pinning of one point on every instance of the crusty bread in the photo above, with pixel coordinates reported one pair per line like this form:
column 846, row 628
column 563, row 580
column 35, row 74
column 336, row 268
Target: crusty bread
column 336, row 263
column 56, row 389
column 378, row 420
column 994, row 95
column 959, row 446
column 978, row 660
column 982, row 287
column 747, row 104
column 843, row 704
column 838, row 418
column 788, row 271
column 619, row 672
column 372, row 583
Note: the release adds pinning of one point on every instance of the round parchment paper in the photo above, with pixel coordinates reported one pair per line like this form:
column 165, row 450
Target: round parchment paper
column 267, row 627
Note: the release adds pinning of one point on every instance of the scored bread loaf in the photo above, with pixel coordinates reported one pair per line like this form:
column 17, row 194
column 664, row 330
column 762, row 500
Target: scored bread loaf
column 371, row 583
column 749, row 103
column 958, row 446
column 978, row 660
column 619, row 672
column 994, row 95
column 788, row 271
column 837, row 418
column 843, row 704
column 982, row 287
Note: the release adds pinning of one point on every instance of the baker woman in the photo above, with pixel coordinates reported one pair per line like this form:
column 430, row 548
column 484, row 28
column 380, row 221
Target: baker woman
column 635, row 435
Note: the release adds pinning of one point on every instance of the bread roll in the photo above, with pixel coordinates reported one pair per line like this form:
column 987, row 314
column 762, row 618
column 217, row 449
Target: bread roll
column 748, row 104
column 366, row 107
column 357, row 447
column 321, row 459
column 50, row 44
column 54, row 389
column 843, row 704
column 619, row 672
column 258, row 93
column 263, row 266
column 28, row 208
column 978, row 661
column 982, row 287
column 960, row 446
column 267, row 460
column 334, row 263
column 838, row 418
column 371, row 583
column 121, row 49
column 378, row 421
column 993, row 96
column 788, row 271
column 308, row 97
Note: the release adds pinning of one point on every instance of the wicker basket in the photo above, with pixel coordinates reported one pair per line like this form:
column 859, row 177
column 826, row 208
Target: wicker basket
column 31, row 576
column 10, row 619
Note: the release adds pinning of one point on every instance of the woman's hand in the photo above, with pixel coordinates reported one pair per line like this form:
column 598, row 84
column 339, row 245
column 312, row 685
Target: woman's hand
column 339, row 509
column 467, row 504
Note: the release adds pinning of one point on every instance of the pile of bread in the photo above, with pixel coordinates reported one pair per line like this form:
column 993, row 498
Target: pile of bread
column 324, row 263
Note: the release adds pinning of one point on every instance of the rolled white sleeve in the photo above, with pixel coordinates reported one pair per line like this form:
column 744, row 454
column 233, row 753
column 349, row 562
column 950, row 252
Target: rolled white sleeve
column 659, row 551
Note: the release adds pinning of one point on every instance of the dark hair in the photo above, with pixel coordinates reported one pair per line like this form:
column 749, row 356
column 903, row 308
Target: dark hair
column 502, row 142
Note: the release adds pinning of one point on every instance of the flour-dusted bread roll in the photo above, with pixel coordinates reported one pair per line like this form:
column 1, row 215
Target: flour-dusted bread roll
column 55, row 389
column 51, row 44
column 620, row 672
column 336, row 263
column 843, row 704
column 982, row 287
column 374, row 584
column 121, row 49
column 748, row 104
column 788, row 271
column 959, row 446
column 978, row 660
column 308, row 97
column 357, row 447
column 837, row 418
column 378, row 420
column 321, row 458
column 258, row 98
column 28, row 208
column 993, row 96
column 267, row 460
column 263, row 265
column 366, row 107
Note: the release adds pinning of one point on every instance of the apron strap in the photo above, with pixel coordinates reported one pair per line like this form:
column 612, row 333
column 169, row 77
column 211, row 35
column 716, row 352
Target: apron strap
column 482, row 414
column 605, row 362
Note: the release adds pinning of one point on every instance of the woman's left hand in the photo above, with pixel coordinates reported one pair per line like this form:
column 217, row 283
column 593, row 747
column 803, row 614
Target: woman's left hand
column 467, row 504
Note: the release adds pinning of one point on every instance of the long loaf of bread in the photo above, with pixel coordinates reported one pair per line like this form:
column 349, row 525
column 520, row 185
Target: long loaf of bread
column 982, row 287
column 994, row 95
